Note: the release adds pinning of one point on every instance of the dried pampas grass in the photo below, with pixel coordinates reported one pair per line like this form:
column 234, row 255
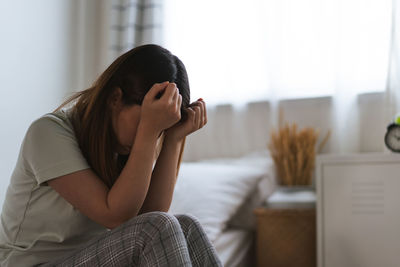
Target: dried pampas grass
column 293, row 152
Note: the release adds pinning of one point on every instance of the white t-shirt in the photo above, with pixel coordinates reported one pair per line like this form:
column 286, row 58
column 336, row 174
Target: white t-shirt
column 37, row 224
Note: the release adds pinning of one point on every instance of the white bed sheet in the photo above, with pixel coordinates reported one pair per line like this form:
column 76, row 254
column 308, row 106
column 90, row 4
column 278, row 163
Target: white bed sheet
column 235, row 247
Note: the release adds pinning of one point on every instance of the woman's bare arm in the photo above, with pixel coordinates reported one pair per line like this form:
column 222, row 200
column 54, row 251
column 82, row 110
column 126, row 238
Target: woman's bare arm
column 111, row 207
column 159, row 195
column 163, row 179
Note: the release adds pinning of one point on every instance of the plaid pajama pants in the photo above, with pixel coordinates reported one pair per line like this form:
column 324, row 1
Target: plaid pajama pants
column 150, row 239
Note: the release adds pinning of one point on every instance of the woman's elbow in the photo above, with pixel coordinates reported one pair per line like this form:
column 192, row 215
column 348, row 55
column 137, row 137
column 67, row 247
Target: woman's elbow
column 111, row 222
column 153, row 208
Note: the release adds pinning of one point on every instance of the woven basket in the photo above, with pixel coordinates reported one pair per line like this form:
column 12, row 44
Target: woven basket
column 286, row 237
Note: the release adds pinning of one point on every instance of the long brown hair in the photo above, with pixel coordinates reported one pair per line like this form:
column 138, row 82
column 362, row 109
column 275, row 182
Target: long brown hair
column 134, row 73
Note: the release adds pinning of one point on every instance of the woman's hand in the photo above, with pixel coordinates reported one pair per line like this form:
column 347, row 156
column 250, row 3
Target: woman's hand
column 197, row 118
column 158, row 114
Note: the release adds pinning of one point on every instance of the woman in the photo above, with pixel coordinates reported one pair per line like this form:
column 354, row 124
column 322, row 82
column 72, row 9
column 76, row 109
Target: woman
column 85, row 190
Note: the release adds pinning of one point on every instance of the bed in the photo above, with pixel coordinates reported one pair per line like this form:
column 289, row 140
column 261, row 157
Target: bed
column 235, row 247
column 222, row 193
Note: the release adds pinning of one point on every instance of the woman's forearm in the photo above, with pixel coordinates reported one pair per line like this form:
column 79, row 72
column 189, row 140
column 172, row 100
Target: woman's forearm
column 159, row 195
column 128, row 193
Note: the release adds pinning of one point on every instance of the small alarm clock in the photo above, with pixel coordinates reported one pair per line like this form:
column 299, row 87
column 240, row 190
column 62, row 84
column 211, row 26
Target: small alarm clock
column 392, row 136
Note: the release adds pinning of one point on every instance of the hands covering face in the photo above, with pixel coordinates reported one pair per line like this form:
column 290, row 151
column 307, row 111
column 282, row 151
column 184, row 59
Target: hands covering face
column 164, row 113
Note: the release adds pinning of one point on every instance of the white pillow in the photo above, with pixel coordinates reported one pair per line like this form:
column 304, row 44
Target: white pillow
column 213, row 192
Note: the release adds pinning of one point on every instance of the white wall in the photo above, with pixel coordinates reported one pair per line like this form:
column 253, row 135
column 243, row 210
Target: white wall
column 47, row 50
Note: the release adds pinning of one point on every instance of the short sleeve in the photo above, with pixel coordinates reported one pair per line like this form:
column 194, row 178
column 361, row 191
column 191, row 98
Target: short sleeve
column 50, row 149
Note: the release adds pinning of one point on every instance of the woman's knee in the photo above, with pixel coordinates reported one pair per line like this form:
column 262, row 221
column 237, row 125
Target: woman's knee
column 187, row 220
column 160, row 218
column 150, row 225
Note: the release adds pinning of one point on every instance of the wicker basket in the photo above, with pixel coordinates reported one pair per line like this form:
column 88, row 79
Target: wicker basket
column 286, row 237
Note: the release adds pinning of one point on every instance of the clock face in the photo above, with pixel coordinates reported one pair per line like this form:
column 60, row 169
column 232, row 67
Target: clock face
column 392, row 138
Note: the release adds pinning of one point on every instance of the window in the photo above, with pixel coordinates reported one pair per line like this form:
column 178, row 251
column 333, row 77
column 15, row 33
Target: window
column 240, row 51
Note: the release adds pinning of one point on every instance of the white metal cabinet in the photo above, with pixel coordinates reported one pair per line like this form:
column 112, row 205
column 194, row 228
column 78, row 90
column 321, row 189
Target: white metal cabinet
column 358, row 210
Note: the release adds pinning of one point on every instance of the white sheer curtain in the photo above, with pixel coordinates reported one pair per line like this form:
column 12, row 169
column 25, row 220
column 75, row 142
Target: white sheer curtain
column 134, row 23
column 247, row 50
column 393, row 83
column 242, row 51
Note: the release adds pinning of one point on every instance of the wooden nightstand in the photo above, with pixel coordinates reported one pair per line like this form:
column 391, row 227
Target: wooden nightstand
column 286, row 237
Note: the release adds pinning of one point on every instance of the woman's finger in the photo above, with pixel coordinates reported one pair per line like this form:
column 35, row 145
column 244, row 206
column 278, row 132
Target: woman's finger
column 191, row 115
column 205, row 112
column 175, row 96
column 169, row 92
column 201, row 105
column 203, row 119
column 197, row 120
column 179, row 102
column 155, row 90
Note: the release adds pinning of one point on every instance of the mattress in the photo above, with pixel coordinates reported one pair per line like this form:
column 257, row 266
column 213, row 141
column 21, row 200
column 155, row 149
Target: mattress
column 235, row 248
